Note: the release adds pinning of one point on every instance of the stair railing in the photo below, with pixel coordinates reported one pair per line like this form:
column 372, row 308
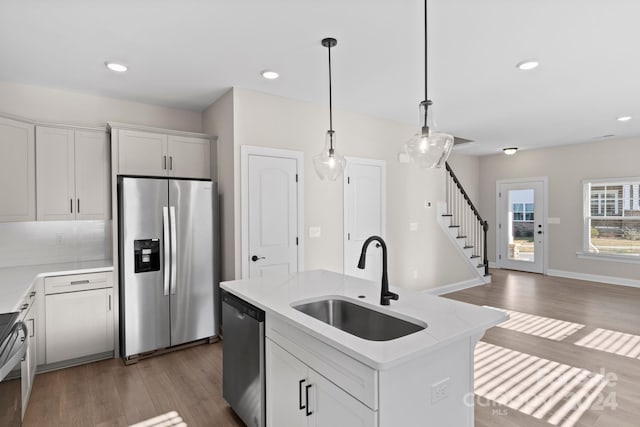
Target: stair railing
column 466, row 217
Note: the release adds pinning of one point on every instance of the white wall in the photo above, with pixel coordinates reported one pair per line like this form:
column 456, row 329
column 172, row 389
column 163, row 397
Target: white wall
column 565, row 168
column 218, row 120
column 467, row 170
column 80, row 109
column 266, row 120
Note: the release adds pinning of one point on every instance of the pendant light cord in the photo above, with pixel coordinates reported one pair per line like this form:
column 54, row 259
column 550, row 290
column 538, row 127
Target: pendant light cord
column 426, row 47
column 330, row 97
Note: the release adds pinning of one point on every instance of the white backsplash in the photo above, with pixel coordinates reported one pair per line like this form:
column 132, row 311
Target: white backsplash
column 50, row 242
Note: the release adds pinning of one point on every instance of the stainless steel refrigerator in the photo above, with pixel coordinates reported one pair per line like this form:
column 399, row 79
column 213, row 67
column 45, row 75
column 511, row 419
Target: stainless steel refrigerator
column 166, row 263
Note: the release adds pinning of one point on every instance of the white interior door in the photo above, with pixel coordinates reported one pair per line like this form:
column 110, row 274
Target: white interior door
column 272, row 215
column 364, row 215
column 521, row 225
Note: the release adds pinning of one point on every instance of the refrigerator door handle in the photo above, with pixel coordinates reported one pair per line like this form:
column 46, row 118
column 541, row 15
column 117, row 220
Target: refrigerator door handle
column 174, row 244
column 167, row 248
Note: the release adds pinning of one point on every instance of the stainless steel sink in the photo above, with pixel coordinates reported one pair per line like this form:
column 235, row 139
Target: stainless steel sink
column 357, row 320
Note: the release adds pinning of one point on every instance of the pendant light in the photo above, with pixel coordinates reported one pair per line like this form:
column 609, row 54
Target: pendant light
column 329, row 164
column 428, row 148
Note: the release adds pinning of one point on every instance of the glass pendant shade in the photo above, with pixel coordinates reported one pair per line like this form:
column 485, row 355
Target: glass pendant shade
column 329, row 164
column 429, row 148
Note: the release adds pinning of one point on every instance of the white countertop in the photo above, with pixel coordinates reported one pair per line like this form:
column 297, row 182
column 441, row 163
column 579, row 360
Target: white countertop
column 15, row 282
column 447, row 320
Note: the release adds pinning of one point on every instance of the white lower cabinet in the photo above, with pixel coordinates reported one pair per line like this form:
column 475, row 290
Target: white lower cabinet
column 79, row 316
column 297, row 395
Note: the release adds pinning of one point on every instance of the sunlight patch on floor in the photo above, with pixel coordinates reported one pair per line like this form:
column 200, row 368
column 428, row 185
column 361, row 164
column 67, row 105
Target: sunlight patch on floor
column 170, row 419
column 544, row 389
column 612, row 342
column 538, row 326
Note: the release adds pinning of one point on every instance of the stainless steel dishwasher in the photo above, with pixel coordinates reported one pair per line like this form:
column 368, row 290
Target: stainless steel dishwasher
column 243, row 367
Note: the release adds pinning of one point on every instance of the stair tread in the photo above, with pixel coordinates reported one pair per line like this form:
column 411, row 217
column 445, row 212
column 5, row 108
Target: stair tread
column 447, row 215
column 454, row 226
column 461, row 237
column 475, row 256
column 468, row 247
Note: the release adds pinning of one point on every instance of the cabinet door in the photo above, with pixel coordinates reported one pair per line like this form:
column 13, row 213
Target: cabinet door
column 142, row 153
column 331, row 406
column 17, row 171
column 285, row 393
column 55, row 174
column 78, row 324
column 92, row 175
column 189, row 157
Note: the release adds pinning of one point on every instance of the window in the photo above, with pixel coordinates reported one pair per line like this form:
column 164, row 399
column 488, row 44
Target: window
column 612, row 217
column 522, row 211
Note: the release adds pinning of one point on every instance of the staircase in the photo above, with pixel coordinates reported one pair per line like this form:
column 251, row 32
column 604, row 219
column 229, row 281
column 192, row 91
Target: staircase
column 464, row 225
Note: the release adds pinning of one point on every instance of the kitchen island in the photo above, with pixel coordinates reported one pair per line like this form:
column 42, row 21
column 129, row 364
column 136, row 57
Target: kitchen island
column 317, row 374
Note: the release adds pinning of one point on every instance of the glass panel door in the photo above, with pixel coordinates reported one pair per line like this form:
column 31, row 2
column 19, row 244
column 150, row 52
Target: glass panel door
column 521, row 226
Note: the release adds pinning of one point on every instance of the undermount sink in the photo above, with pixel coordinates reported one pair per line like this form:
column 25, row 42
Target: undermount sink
column 358, row 320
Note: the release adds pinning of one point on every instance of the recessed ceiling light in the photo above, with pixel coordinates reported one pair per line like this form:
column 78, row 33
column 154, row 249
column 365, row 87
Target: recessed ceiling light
column 527, row 65
column 114, row 66
column 510, row 151
column 270, row 75
column 624, row 118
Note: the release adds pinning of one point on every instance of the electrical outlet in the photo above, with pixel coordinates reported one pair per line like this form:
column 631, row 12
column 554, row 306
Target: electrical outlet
column 59, row 239
column 440, row 390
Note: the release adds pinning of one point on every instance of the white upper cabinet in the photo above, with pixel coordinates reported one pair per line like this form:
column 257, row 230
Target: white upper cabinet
column 72, row 174
column 189, row 157
column 141, row 151
column 92, row 175
column 17, row 171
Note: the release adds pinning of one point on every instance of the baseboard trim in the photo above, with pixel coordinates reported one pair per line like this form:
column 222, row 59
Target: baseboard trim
column 493, row 264
column 453, row 287
column 620, row 281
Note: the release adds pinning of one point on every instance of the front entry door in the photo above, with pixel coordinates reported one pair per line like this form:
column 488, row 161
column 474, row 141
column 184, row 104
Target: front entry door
column 272, row 215
column 521, row 225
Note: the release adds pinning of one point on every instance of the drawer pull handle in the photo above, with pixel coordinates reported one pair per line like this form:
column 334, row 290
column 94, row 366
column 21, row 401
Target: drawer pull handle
column 80, row 282
column 306, row 395
column 300, row 405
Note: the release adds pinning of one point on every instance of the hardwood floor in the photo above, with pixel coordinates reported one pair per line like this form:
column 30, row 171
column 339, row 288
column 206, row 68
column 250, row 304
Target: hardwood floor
column 108, row 393
column 594, row 305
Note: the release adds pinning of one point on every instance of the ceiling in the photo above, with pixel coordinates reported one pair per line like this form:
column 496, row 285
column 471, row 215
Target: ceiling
column 187, row 53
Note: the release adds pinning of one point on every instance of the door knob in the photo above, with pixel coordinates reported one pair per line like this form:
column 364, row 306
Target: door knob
column 256, row 258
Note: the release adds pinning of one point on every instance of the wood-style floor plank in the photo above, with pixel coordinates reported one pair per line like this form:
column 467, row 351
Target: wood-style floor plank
column 110, row 394
column 594, row 305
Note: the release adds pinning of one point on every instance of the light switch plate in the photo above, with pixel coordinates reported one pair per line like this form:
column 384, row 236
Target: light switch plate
column 413, row 226
column 314, row 232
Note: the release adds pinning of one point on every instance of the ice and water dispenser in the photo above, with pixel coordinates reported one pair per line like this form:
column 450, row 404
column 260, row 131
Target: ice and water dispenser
column 147, row 255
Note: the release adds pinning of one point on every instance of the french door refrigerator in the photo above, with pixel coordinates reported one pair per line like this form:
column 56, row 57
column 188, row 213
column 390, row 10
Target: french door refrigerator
column 166, row 263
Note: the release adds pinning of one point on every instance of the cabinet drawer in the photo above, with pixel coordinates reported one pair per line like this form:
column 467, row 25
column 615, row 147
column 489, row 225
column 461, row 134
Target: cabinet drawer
column 77, row 282
column 354, row 377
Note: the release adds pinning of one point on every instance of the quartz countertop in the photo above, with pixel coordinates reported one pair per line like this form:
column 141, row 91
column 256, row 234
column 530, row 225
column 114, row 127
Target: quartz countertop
column 448, row 320
column 15, row 282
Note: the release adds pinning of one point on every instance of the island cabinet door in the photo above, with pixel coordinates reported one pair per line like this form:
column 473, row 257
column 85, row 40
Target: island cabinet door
column 330, row 406
column 285, row 387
